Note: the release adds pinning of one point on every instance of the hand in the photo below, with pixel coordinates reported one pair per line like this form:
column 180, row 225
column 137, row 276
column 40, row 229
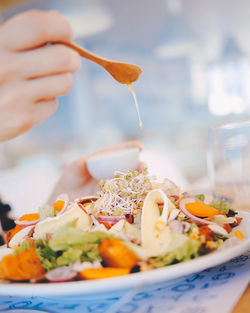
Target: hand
column 32, row 73
column 77, row 182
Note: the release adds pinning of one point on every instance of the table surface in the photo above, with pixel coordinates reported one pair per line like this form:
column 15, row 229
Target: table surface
column 244, row 303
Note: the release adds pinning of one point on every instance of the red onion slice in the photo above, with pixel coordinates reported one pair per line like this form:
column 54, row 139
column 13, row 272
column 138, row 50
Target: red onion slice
column 173, row 214
column 176, row 226
column 26, row 223
column 61, row 274
column 65, row 198
column 110, row 219
column 192, row 217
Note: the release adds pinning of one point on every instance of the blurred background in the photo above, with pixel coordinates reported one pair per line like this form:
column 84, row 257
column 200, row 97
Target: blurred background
column 195, row 57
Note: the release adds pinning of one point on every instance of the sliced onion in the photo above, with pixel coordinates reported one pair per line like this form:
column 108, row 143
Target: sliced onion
column 20, row 236
column 176, row 226
column 186, row 194
column 192, row 217
column 26, row 223
column 110, row 219
column 218, row 229
column 61, row 274
column 65, row 198
column 186, row 226
column 170, row 187
column 174, row 213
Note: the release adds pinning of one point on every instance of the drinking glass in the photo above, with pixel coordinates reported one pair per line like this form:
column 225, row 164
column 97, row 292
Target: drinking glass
column 229, row 163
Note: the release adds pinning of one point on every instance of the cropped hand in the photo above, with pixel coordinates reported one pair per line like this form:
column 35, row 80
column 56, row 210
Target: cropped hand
column 76, row 180
column 33, row 73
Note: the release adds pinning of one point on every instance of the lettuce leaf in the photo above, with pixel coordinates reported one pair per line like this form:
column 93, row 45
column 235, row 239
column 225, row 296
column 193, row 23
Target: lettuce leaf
column 188, row 250
column 223, row 206
column 25, row 245
column 46, row 255
column 69, row 236
column 86, row 253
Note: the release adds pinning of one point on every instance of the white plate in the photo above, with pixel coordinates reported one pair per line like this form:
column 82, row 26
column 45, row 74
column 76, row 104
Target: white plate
column 232, row 248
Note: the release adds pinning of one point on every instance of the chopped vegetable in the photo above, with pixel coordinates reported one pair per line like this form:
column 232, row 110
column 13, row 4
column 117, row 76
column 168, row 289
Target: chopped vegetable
column 189, row 250
column 58, row 205
column 201, row 209
column 116, row 254
column 61, row 274
column 239, row 235
column 23, row 266
column 223, row 206
column 29, row 217
column 105, row 272
column 46, row 255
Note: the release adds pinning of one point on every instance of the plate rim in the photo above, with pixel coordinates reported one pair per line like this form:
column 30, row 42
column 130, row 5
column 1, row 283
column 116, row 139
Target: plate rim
column 136, row 280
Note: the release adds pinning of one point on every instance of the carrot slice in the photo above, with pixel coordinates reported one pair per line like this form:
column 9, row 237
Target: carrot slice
column 201, row 209
column 9, row 268
column 58, row 205
column 30, row 264
column 116, row 254
column 24, row 266
column 29, row 217
column 105, row 272
column 2, row 274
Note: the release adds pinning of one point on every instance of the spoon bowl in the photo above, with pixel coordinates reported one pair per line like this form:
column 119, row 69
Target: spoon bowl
column 124, row 73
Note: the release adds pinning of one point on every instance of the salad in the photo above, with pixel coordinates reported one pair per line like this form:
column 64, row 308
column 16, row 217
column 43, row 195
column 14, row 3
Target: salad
column 134, row 223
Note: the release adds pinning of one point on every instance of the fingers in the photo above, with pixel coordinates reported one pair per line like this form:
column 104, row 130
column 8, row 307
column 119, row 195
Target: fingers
column 35, row 28
column 43, row 110
column 48, row 60
column 47, row 88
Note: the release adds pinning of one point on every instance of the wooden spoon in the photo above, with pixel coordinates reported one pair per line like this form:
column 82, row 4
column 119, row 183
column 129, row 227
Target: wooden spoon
column 124, row 73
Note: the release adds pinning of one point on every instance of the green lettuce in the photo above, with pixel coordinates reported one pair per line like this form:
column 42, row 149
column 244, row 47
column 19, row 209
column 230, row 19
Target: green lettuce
column 223, row 206
column 68, row 245
column 188, row 250
column 87, row 252
column 46, row 255
column 69, row 236
column 25, row 245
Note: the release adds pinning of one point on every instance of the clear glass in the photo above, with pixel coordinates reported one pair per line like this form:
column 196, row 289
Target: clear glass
column 229, row 163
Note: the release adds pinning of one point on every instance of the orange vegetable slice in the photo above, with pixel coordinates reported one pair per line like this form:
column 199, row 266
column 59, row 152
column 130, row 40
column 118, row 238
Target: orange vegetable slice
column 24, row 266
column 29, row 217
column 29, row 264
column 201, row 209
column 58, row 205
column 9, row 268
column 105, row 272
column 117, row 254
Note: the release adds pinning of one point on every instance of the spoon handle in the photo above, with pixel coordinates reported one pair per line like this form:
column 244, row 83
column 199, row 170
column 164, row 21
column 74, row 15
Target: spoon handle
column 88, row 55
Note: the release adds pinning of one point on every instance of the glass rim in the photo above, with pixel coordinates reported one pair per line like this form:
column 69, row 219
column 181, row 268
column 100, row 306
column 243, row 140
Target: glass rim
column 232, row 125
